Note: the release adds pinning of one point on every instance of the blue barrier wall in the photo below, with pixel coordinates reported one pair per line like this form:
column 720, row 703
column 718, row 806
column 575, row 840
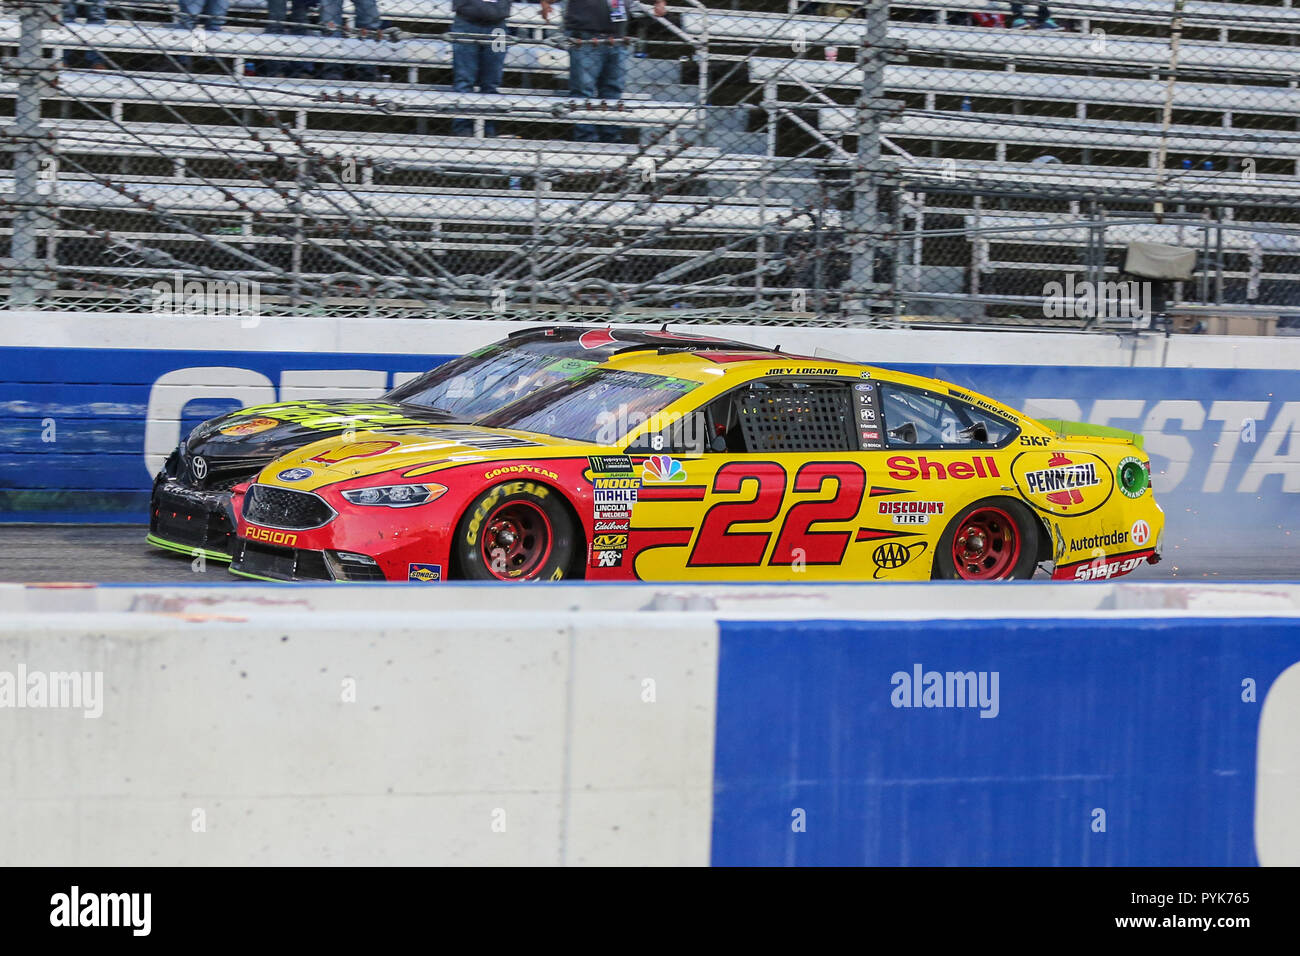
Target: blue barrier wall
column 1225, row 443
column 1142, row 719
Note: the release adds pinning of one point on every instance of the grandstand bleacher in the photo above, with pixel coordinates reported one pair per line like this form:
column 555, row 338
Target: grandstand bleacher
column 737, row 165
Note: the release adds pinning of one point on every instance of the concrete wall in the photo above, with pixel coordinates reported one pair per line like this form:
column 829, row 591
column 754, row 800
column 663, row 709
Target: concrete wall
column 762, row 701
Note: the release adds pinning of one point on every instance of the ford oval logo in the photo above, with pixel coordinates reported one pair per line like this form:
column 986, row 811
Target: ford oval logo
column 199, row 466
column 294, row 474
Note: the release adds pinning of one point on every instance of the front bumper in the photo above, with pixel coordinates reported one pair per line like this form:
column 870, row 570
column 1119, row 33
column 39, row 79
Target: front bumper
column 191, row 521
column 266, row 562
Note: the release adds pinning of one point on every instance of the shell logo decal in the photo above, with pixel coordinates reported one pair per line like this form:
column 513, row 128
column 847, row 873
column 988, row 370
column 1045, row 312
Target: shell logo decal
column 1066, row 483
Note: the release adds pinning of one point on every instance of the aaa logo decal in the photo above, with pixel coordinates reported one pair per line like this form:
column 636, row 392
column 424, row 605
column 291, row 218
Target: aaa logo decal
column 1068, row 484
column 661, row 468
column 892, row 556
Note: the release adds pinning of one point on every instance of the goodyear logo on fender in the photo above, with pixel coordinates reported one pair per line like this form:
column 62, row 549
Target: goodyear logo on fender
column 521, row 470
column 513, row 488
column 609, row 542
column 286, row 538
column 1063, row 483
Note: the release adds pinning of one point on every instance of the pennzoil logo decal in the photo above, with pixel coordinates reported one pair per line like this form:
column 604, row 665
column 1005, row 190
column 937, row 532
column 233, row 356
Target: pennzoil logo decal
column 1065, row 483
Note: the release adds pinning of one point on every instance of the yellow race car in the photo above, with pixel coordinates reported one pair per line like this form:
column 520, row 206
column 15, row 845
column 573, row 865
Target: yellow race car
column 711, row 465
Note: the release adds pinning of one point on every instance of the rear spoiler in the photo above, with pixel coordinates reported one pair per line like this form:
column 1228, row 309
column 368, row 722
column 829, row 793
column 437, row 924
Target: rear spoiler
column 1084, row 430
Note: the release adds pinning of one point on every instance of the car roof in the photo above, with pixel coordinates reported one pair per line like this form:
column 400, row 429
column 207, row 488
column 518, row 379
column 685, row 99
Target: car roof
column 604, row 341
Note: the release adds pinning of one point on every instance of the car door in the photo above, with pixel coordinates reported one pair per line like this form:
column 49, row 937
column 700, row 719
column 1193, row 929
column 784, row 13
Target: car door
column 775, row 494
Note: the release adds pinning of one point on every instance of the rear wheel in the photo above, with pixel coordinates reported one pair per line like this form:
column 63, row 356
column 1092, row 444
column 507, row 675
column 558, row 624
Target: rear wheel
column 992, row 540
column 517, row 531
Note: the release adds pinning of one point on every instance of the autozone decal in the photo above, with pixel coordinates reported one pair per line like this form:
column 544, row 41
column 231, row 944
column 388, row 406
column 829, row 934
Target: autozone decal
column 273, row 537
column 907, row 468
column 1062, row 478
column 911, row 512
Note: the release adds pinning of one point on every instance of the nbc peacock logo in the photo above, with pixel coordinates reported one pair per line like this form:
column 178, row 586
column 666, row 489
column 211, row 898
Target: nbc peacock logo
column 661, row 468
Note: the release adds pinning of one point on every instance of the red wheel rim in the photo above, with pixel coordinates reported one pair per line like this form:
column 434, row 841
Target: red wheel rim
column 986, row 546
column 517, row 541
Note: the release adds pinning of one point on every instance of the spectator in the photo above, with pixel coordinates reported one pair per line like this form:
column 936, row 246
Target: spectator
column 475, row 61
column 597, row 32
column 295, row 25
column 94, row 17
column 1043, row 21
column 989, row 16
column 366, row 18
column 211, row 12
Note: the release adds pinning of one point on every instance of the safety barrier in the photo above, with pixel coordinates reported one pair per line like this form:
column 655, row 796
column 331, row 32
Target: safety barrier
column 893, row 724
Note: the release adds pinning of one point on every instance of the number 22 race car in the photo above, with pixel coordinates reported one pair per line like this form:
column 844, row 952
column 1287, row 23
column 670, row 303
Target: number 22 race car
column 711, row 465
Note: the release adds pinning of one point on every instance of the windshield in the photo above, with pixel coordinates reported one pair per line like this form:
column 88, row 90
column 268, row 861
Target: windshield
column 601, row 406
column 475, row 384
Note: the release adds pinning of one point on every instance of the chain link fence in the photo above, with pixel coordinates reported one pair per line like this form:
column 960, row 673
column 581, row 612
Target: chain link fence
column 836, row 163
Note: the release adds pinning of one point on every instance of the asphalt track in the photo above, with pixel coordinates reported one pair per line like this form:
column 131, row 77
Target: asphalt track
column 119, row 554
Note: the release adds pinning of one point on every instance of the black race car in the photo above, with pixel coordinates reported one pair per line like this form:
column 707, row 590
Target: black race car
column 190, row 511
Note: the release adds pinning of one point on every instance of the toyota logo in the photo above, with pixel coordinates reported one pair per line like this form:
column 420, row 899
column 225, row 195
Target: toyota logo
column 200, row 467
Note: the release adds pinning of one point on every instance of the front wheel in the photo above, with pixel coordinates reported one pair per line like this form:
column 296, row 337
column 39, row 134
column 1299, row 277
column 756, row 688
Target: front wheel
column 992, row 540
column 517, row 531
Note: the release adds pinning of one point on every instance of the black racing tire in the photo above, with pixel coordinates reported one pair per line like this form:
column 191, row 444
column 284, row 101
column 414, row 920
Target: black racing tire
column 515, row 531
column 994, row 539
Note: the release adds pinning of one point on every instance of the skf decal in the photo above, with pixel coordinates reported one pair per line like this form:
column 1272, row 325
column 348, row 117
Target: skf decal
column 911, row 512
column 360, row 449
column 1036, row 440
column 250, row 426
column 424, row 573
column 520, row 470
column 661, row 468
column 907, row 468
column 271, row 536
column 893, row 555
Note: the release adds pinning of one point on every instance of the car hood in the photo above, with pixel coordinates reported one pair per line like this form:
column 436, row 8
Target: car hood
column 264, row 432
column 413, row 453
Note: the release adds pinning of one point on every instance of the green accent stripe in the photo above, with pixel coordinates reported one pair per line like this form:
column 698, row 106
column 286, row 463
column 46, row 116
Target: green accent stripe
column 1084, row 429
column 187, row 549
column 257, row 577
